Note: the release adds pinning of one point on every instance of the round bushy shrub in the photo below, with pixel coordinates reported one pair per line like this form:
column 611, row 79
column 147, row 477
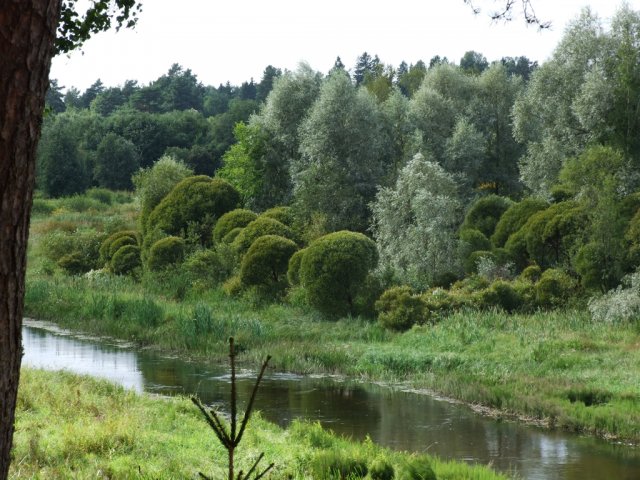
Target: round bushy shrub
column 281, row 214
column 209, row 267
column 75, row 263
column 554, row 288
column 293, row 271
column 472, row 240
column 514, row 218
column 115, row 241
column 381, row 469
column 165, row 252
column 399, row 309
column 125, row 260
column 471, row 263
column 334, row 269
column 531, row 274
column 266, row 261
column 259, row 227
column 238, row 218
column 192, row 201
column 230, row 237
column 503, row 295
column 485, row 213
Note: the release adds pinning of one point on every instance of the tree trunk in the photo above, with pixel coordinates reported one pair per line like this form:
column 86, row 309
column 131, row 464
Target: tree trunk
column 27, row 35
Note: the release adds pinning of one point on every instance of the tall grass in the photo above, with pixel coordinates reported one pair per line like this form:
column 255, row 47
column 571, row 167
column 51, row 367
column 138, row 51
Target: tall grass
column 68, row 426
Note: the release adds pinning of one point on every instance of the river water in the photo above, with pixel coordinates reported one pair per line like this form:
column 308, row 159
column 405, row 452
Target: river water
column 389, row 416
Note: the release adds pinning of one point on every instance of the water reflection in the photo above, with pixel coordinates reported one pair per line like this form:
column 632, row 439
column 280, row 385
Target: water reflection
column 397, row 419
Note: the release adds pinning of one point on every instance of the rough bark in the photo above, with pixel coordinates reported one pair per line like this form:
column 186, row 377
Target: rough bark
column 27, row 35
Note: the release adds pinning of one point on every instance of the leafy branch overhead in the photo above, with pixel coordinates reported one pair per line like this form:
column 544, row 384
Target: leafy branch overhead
column 74, row 28
column 507, row 11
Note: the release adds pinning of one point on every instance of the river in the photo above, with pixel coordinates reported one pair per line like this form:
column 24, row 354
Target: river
column 390, row 416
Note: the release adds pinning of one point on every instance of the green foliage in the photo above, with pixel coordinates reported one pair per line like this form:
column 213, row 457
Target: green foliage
column 381, row 469
column 293, row 270
column 551, row 235
column 154, row 183
column 334, row 268
column 266, row 261
column 554, row 288
column 485, row 213
column 336, row 465
column 282, row 214
column 116, row 240
column 238, row 218
column 418, row 468
column 415, row 224
column 257, row 228
column 192, row 201
column 230, row 237
column 472, row 240
column 116, row 160
column 471, row 262
column 209, row 267
column 342, row 147
column 514, row 218
column 399, row 309
column 125, row 259
column 501, row 294
column 531, row 274
column 165, row 253
column 75, row 263
column 103, row 195
column 595, row 266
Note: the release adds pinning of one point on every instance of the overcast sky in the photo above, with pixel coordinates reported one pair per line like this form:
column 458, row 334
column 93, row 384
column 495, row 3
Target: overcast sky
column 234, row 40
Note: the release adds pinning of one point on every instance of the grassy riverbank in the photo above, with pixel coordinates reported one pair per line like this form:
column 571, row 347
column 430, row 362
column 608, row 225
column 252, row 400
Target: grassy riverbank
column 71, row 426
column 560, row 369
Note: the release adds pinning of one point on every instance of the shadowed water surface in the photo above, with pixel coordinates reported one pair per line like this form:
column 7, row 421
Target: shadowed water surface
column 391, row 417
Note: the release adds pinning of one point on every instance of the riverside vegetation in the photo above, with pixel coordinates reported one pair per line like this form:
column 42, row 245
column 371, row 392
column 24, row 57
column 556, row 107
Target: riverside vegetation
column 560, row 368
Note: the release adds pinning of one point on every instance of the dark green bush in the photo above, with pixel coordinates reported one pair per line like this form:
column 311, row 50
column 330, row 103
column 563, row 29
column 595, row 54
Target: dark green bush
column 75, row 263
column 230, row 237
column 209, row 267
column 192, row 201
column 471, row 263
column 514, row 218
column 503, row 295
column 334, row 269
column 485, row 213
column 440, row 303
column 335, row 465
column 113, row 242
column 293, row 271
column 399, row 309
column 238, row 218
column 531, row 274
column 266, row 261
column 417, row 468
column 561, row 193
column 554, row 288
column 125, row 260
column 472, row 240
column 165, row 252
column 281, row 214
column 381, row 469
column 78, row 243
column 256, row 229
column 597, row 267
column 470, row 284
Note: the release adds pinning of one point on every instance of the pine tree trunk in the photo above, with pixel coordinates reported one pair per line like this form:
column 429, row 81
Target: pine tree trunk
column 27, row 35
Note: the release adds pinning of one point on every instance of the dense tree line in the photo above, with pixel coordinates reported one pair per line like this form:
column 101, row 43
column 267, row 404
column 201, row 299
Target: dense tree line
column 504, row 183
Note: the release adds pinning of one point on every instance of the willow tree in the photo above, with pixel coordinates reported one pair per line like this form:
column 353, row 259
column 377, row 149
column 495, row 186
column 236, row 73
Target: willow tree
column 31, row 33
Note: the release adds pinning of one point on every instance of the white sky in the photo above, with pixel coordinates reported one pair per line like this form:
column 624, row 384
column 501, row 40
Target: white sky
column 233, row 41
